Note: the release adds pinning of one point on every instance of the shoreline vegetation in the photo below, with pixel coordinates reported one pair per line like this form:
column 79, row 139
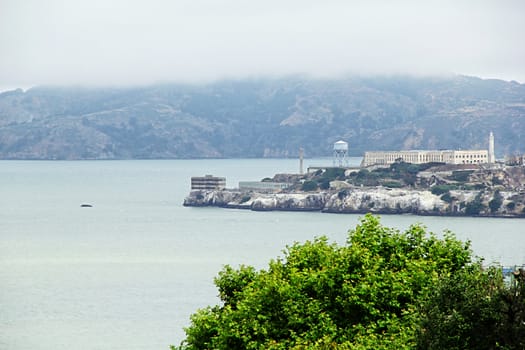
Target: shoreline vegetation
column 402, row 188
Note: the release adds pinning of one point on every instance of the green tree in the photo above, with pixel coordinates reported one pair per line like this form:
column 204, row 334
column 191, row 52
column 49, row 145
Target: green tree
column 334, row 174
column 309, row 186
column 474, row 309
column 462, row 311
column 475, row 206
column 324, row 184
column 366, row 178
column 440, row 189
column 362, row 295
column 447, row 197
column 495, row 202
column 512, row 329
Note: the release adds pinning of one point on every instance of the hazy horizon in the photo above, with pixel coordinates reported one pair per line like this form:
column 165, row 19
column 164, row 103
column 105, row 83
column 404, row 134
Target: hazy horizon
column 136, row 43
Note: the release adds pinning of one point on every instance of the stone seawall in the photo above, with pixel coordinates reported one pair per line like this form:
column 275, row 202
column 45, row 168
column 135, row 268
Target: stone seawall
column 379, row 200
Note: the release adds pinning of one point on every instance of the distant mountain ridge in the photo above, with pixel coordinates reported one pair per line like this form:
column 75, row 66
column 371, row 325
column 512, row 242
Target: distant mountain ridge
column 262, row 118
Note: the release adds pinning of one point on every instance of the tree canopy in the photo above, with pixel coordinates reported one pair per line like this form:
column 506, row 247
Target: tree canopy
column 383, row 289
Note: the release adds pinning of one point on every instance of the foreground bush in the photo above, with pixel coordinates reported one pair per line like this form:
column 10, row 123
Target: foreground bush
column 378, row 291
column 474, row 309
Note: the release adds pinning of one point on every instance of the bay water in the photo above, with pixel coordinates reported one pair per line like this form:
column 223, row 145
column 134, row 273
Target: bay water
column 127, row 272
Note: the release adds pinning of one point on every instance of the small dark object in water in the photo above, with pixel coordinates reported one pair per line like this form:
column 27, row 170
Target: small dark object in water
column 86, row 206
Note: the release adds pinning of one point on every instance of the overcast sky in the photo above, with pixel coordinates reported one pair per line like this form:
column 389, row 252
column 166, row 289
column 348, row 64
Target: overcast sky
column 121, row 42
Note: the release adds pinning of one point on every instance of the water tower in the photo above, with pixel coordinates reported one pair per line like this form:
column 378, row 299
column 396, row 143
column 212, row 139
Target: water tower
column 340, row 153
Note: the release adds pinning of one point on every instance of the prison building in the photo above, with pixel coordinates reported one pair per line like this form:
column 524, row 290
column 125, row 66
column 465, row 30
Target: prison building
column 421, row 157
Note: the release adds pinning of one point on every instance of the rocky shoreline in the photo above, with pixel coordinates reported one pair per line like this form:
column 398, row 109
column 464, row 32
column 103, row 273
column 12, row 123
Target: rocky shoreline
column 379, row 200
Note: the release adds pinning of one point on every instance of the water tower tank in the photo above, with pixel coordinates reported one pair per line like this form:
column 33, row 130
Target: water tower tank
column 341, row 146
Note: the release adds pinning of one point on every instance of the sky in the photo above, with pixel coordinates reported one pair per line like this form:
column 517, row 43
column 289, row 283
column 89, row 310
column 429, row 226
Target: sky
column 132, row 42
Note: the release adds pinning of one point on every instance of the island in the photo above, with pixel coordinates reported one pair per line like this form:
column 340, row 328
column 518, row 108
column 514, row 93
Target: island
column 489, row 190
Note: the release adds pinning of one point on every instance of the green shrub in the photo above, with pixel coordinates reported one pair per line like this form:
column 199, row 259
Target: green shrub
column 475, row 206
column 392, row 184
column 309, row 186
column 446, row 197
column 367, row 178
column 461, row 175
column 440, row 189
column 245, row 199
column 324, row 184
column 334, row 174
column 495, row 202
column 496, row 181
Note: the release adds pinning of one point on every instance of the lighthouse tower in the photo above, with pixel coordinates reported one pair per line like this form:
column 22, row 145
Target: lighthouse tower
column 301, row 158
column 492, row 156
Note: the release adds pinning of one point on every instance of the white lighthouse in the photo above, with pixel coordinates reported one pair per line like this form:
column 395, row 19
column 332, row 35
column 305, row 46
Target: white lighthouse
column 301, row 158
column 492, row 156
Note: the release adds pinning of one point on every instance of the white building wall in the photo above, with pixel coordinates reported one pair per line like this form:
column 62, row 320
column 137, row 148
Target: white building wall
column 421, row 157
column 471, row 157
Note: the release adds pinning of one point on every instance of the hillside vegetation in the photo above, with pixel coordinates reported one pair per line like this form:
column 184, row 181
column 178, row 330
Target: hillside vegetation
column 261, row 118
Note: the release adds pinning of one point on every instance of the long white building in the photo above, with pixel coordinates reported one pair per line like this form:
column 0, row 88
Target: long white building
column 420, row 157
column 480, row 156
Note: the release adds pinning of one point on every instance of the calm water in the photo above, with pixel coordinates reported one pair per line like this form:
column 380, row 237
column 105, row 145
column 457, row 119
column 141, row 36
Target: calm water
column 128, row 272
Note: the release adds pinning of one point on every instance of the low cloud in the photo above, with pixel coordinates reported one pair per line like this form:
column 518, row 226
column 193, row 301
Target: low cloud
column 141, row 42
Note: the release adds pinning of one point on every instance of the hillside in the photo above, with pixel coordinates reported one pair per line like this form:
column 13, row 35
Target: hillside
column 261, row 118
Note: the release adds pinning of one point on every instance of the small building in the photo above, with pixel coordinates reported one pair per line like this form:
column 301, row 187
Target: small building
column 515, row 159
column 262, row 186
column 208, row 182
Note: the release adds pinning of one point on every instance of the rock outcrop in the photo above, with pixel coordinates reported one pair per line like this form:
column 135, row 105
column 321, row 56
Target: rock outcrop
column 385, row 200
column 379, row 200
